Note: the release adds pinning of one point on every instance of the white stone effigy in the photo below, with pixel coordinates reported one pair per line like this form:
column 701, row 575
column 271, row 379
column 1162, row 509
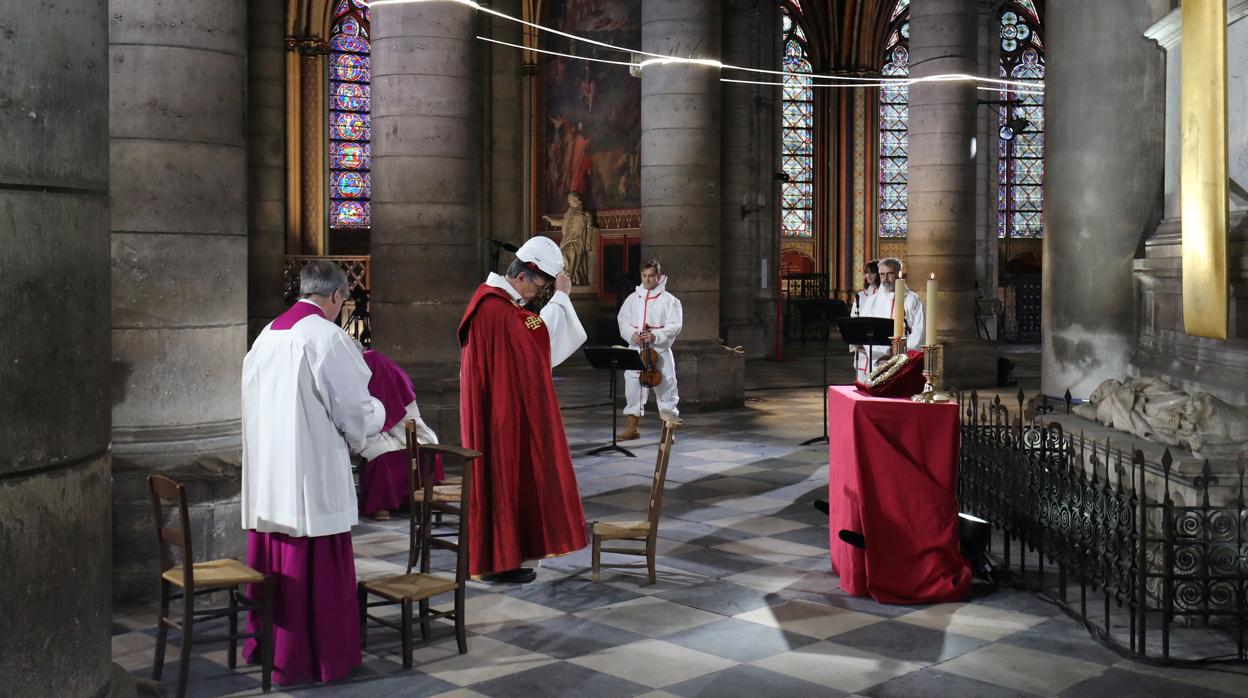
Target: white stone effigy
column 1154, row 409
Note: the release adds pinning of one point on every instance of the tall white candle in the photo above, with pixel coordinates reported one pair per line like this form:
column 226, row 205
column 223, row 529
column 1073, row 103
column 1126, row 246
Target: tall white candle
column 899, row 308
column 930, row 312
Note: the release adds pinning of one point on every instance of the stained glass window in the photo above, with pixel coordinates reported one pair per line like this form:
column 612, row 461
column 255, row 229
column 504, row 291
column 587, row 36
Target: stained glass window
column 894, row 117
column 1020, row 164
column 350, row 151
column 797, row 132
column 901, row 7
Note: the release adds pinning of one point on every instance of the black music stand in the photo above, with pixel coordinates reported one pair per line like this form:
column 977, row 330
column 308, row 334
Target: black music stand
column 867, row 331
column 613, row 358
column 822, row 313
column 861, row 331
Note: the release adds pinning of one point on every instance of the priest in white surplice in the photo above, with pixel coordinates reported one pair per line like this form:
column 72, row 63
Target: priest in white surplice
column 306, row 406
column 880, row 304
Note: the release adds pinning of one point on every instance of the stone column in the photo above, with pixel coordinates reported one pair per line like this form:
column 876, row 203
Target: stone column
column 680, row 189
column 507, row 132
column 266, row 162
column 943, row 39
column 748, row 265
column 426, row 192
column 987, row 122
column 1104, row 84
column 54, row 379
column 179, row 266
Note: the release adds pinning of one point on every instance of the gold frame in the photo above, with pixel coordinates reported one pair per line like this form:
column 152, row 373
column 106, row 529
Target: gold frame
column 1203, row 183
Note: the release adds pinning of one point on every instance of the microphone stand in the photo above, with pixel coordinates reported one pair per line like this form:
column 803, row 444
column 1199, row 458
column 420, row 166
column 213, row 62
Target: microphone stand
column 498, row 247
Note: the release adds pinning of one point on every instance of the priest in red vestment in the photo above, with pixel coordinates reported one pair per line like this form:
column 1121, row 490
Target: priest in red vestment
column 525, row 503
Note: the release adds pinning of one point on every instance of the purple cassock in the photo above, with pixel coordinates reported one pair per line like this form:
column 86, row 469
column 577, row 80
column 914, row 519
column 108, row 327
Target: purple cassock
column 384, row 480
column 316, row 623
column 316, row 616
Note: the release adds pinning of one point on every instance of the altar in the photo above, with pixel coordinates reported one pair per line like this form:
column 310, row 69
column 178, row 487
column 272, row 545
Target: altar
column 892, row 477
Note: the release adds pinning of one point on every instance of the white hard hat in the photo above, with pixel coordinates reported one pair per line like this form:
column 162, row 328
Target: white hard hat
column 543, row 252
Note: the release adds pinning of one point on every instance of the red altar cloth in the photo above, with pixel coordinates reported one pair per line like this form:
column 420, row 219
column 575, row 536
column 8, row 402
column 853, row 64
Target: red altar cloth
column 892, row 476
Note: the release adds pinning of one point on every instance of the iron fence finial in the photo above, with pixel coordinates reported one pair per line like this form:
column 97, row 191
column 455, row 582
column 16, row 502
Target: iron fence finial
column 1166, row 461
column 1241, row 480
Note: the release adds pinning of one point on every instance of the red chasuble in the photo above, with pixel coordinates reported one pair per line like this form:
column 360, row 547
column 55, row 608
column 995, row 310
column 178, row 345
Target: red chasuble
column 525, row 503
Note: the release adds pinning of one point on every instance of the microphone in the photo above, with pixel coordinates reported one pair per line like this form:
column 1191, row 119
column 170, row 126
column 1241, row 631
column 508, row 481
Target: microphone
column 505, row 245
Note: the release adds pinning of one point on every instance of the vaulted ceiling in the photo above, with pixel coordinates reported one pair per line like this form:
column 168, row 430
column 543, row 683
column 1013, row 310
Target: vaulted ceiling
column 849, row 35
column 843, row 35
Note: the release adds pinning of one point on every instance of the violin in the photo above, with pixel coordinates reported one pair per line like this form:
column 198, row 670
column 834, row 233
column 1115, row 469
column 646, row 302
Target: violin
column 650, row 375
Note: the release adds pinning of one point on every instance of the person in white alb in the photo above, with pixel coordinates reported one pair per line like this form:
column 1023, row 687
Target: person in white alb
column 880, row 304
column 870, row 286
column 650, row 316
column 306, row 408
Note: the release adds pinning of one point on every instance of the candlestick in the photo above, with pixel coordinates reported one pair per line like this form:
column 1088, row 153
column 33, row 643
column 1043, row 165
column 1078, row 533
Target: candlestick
column 933, row 369
column 930, row 313
column 899, row 308
column 897, row 346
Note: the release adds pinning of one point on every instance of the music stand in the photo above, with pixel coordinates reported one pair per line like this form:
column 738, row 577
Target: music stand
column 822, row 312
column 867, row 332
column 861, row 331
column 613, row 358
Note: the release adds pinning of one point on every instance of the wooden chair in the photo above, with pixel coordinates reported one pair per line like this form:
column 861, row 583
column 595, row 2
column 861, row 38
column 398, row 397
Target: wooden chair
column 446, row 494
column 419, row 587
column 639, row 531
column 200, row 578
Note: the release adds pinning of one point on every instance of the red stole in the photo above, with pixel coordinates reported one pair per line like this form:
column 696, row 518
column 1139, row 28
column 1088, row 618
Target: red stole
column 294, row 314
column 525, row 502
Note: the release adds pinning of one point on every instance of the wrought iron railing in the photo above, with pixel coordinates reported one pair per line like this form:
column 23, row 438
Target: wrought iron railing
column 355, row 317
column 1076, row 521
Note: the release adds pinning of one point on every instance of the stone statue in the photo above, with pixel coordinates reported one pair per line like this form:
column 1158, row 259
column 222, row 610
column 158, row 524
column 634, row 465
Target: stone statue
column 1155, row 410
column 579, row 237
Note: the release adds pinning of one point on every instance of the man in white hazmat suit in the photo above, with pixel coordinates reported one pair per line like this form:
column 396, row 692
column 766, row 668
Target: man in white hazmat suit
column 881, row 305
column 651, row 316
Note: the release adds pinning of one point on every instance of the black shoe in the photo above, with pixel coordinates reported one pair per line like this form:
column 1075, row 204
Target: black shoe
column 821, row 505
column 520, row 575
column 853, row 538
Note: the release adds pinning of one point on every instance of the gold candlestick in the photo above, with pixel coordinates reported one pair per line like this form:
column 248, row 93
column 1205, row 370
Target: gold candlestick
column 933, row 367
column 898, row 346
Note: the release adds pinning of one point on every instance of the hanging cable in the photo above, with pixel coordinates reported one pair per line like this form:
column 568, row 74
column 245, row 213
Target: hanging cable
column 656, row 58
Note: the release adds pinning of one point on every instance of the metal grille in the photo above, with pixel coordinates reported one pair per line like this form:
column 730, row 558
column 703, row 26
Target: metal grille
column 355, row 316
column 1077, row 522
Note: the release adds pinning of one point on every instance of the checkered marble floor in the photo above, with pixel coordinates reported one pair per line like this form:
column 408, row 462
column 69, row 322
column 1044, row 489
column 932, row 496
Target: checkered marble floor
column 746, row 602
